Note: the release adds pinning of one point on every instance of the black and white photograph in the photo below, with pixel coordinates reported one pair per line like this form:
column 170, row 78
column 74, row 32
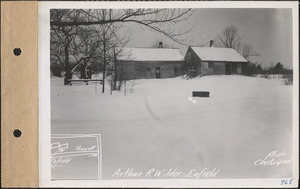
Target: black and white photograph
column 163, row 93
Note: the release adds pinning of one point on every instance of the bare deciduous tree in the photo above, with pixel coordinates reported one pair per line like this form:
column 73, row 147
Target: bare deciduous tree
column 61, row 39
column 110, row 40
column 248, row 51
column 159, row 20
column 81, row 42
column 230, row 38
column 68, row 24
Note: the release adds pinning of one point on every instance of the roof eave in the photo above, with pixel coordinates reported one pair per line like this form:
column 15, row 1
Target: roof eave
column 152, row 60
column 224, row 61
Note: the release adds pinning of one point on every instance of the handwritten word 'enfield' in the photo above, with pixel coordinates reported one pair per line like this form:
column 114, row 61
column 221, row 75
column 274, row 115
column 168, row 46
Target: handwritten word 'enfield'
column 274, row 158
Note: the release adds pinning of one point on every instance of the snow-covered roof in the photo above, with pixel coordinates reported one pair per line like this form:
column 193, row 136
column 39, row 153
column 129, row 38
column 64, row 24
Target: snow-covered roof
column 150, row 54
column 218, row 54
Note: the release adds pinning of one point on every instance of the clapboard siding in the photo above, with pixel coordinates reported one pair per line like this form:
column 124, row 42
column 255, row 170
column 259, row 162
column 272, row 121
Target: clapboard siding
column 219, row 68
column 147, row 69
column 205, row 69
column 192, row 61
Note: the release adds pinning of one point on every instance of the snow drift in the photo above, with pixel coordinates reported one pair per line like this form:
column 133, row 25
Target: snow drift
column 158, row 124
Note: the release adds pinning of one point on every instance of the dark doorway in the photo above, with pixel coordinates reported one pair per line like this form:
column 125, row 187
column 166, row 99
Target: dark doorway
column 175, row 72
column 234, row 68
column 157, row 72
column 227, row 68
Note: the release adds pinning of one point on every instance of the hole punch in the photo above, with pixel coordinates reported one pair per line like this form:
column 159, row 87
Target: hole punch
column 17, row 133
column 17, row 51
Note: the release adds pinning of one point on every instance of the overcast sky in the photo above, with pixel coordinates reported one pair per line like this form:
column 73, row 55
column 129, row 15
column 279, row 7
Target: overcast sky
column 268, row 30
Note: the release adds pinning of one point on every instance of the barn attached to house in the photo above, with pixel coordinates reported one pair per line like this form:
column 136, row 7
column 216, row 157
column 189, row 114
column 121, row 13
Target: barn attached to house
column 214, row 61
column 149, row 63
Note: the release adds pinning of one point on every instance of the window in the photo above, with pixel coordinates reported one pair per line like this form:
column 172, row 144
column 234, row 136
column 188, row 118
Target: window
column 211, row 65
column 148, row 69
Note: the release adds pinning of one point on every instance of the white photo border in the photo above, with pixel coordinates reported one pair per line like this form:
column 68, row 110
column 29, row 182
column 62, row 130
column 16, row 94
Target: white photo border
column 44, row 96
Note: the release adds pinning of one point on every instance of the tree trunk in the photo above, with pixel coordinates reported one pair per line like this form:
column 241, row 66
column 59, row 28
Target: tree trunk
column 104, row 62
column 68, row 73
column 68, row 76
column 116, row 74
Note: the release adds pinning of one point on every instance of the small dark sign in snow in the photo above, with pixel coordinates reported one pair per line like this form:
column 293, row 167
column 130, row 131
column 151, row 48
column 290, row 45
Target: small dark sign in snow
column 200, row 94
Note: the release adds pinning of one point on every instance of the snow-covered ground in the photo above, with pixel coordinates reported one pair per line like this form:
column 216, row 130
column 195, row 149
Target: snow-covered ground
column 158, row 125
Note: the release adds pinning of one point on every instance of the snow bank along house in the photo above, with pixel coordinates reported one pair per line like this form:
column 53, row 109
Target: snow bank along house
column 213, row 61
column 148, row 63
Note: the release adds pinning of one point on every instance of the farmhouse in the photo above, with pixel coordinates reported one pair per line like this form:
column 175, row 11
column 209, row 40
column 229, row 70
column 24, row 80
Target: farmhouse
column 213, row 61
column 148, row 63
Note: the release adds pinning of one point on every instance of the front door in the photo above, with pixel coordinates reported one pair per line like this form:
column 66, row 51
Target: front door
column 228, row 68
column 157, row 72
column 234, row 68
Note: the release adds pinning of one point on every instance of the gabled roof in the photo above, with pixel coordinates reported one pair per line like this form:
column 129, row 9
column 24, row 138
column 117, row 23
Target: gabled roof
column 218, row 54
column 150, row 54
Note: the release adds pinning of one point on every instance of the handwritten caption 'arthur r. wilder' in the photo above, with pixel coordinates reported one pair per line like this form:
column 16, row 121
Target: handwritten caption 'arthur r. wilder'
column 166, row 173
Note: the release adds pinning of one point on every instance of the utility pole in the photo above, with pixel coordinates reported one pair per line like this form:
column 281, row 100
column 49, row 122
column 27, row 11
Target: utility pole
column 104, row 61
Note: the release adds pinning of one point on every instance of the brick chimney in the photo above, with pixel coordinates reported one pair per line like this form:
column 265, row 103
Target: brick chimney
column 160, row 45
column 211, row 42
